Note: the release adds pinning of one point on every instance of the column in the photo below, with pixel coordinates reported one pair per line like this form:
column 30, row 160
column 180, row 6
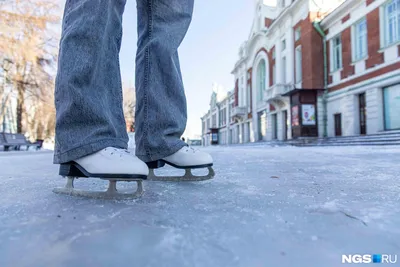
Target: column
column 228, row 121
column 290, row 55
column 240, row 133
column 278, row 61
column 253, row 134
column 289, row 126
column 217, row 117
column 349, row 114
column 269, row 127
column 320, row 116
column 279, row 117
column 375, row 117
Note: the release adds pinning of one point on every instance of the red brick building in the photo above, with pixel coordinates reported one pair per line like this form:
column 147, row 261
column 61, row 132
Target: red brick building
column 315, row 68
column 362, row 39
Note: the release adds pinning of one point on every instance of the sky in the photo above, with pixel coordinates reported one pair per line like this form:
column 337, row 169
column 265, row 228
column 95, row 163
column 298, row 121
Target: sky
column 207, row 54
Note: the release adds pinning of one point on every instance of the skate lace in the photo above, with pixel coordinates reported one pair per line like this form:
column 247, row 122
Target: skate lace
column 118, row 151
column 190, row 149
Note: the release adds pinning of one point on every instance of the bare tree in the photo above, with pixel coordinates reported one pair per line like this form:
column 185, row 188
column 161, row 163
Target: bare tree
column 5, row 94
column 29, row 42
column 129, row 105
column 41, row 115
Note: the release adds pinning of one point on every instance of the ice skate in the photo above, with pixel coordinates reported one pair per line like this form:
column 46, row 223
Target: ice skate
column 110, row 164
column 186, row 158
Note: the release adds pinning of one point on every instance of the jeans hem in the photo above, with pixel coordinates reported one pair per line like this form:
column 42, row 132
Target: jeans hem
column 88, row 149
column 163, row 154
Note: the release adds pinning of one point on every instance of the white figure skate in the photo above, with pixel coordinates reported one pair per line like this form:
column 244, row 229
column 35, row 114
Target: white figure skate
column 186, row 158
column 110, row 164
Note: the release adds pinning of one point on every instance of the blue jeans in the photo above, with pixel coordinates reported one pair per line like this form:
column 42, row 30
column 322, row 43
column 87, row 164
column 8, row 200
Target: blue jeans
column 88, row 93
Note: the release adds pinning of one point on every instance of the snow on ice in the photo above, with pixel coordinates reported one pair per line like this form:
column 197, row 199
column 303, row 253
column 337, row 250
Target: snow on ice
column 267, row 206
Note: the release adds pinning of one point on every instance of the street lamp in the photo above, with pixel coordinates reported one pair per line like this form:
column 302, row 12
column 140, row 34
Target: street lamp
column 6, row 67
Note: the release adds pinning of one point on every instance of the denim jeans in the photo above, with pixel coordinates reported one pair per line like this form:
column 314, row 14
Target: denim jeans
column 88, row 93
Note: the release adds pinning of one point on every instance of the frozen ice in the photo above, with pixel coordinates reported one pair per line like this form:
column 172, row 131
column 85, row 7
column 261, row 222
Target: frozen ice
column 267, row 206
column 131, row 142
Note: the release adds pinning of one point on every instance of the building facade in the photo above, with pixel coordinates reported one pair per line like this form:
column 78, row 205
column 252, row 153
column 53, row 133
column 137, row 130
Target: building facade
column 363, row 44
column 315, row 69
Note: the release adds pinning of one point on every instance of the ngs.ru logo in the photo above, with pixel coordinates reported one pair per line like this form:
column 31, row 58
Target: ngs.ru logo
column 368, row 258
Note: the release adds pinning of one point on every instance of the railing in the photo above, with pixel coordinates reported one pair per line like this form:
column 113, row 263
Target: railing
column 277, row 90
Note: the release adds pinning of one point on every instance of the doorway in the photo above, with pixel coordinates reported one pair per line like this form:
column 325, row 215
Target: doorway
column 285, row 124
column 274, row 126
column 338, row 124
column 391, row 101
column 362, row 113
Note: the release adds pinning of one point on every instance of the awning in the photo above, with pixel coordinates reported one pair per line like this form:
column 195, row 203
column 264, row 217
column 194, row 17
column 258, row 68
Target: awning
column 296, row 90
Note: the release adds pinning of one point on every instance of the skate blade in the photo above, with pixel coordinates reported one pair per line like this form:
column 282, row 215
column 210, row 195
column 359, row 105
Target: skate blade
column 111, row 192
column 187, row 177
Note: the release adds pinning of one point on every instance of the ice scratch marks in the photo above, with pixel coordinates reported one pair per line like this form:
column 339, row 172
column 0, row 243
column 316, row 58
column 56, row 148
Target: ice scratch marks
column 332, row 207
column 353, row 217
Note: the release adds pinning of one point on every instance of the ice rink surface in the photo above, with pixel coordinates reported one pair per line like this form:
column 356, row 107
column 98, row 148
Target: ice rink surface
column 267, row 206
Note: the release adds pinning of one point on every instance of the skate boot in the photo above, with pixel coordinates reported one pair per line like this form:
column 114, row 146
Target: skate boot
column 110, row 164
column 186, row 158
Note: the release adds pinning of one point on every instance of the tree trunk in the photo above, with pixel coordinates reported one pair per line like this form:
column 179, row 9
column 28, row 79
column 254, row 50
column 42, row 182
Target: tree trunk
column 20, row 107
column 3, row 109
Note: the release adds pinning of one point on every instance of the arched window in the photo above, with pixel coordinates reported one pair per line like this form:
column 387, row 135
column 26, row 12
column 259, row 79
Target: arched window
column 261, row 83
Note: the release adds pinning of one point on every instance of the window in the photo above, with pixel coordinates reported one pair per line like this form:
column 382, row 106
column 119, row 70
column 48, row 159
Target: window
column 214, row 120
column 297, row 34
column 222, row 117
column 284, row 69
column 261, row 71
column 248, row 96
column 273, row 53
column 231, row 111
column 273, row 74
column 243, row 96
column 391, row 22
column 239, row 97
column 299, row 74
column 283, row 45
column 336, row 53
column 241, row 93
column 359, row 42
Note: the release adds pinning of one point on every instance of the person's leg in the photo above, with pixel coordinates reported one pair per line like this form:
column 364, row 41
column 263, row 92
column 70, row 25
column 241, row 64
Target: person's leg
column 88, row 93
column 161, row 111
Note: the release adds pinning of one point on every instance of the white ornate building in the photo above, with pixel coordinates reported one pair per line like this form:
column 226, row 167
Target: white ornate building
column 305, row 65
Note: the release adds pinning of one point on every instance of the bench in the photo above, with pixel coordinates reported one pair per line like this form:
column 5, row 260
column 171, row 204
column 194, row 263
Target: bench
column 8, row 140
column 3, row 142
